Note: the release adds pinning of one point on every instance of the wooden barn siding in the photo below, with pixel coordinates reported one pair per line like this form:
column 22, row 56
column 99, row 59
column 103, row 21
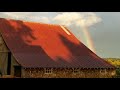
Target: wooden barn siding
column 4, row 58
column 3, row 63
column 67, row 73
column 13, row 63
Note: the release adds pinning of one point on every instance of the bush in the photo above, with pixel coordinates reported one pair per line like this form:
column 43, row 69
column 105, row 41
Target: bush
column 117, row 73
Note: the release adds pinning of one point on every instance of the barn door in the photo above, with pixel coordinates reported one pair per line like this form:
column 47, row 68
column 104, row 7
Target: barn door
column 17, row 71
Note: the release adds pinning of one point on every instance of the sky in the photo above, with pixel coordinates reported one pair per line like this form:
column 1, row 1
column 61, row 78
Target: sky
column 99, row 31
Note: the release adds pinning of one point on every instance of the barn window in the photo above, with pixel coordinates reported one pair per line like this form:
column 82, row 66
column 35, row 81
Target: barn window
column 75, row 70
column 48, row 70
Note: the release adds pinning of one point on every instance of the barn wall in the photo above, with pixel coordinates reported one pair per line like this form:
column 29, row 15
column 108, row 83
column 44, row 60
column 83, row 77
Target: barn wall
column 3, row 63
column 4, row 58
column 68, row 73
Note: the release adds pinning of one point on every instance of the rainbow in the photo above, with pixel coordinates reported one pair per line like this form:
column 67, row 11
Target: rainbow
column 88, row 39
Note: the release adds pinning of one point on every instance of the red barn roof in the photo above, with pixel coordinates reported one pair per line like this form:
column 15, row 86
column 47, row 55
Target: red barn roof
column 46, row 45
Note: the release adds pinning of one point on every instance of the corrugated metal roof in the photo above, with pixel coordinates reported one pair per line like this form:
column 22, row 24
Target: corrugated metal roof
column 44, row 45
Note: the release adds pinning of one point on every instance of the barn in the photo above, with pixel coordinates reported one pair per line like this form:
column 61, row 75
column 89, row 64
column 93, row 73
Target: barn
column 39, row 50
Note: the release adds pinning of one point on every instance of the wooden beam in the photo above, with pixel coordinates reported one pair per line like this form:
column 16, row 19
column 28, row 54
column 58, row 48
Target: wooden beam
column 9, row 64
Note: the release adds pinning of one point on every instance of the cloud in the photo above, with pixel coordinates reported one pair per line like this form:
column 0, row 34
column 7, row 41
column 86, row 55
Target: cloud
column 66, row 18
column 16, row 15
column 83, row 19
column 27, row 16
column 43, row 19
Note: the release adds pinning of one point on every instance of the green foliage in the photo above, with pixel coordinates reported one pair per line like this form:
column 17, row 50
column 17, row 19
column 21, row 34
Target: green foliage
column 116, row 63
column 118, row 71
